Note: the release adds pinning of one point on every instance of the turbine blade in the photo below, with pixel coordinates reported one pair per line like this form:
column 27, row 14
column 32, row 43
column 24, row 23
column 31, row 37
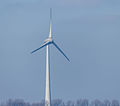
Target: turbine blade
column 60, row 50
column 50, row 33
column 43, row 45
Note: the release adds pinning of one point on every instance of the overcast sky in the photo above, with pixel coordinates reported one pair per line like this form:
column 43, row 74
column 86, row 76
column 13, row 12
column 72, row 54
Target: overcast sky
column 87, row 30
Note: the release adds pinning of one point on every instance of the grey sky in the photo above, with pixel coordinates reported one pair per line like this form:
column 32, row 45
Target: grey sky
column 88, row 32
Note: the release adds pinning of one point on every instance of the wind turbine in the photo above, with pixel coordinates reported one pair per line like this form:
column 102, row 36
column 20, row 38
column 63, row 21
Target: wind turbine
column 46, row 44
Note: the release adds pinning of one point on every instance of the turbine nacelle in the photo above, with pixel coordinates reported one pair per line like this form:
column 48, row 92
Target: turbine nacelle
column 50, row 40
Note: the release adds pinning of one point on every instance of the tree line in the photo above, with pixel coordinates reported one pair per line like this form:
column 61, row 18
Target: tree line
column 59, row 102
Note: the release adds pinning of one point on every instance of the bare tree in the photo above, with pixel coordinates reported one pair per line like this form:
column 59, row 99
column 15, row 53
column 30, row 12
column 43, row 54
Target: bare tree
column 115, row 103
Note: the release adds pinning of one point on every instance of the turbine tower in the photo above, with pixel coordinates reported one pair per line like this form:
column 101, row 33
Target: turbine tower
column 46, row 44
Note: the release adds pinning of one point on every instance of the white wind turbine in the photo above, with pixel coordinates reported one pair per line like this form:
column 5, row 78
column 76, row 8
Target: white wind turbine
column 46, row 43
